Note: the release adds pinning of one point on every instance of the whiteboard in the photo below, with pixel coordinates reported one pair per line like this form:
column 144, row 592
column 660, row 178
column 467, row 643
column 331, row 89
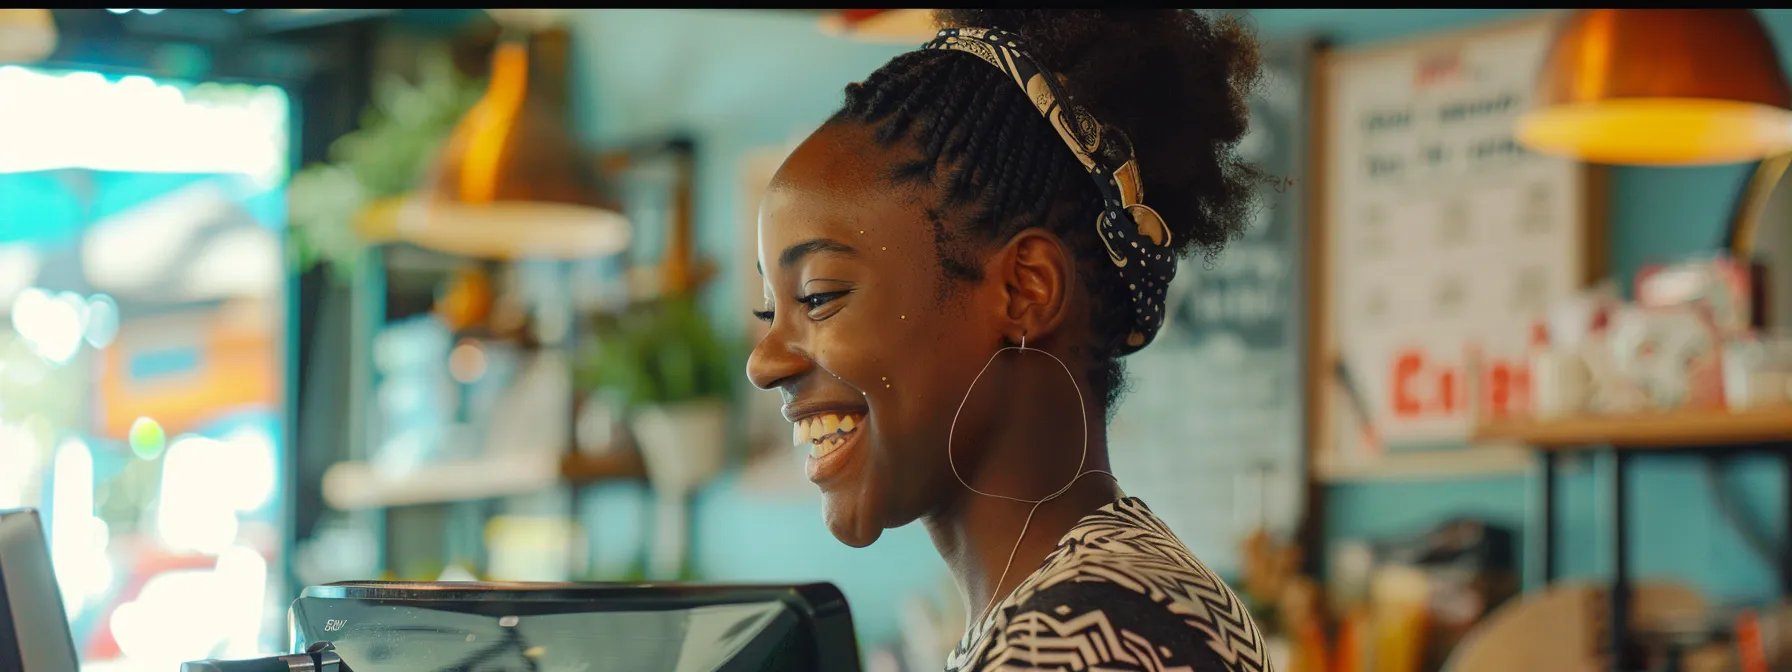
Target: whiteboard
column 1446, row 240
column 1210, row 432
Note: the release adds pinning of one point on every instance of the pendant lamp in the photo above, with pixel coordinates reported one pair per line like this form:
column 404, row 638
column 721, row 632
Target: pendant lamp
column 1661, row 87
column 902, row 26
column 26, row 35
column 1668, row 87
column 511, row 181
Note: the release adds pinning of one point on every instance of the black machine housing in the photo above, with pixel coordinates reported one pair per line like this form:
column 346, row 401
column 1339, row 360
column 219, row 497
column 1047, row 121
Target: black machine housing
column 390, row 626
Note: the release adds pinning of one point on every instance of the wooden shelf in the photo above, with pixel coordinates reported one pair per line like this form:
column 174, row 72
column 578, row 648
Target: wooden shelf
column 358, row 485
column 579, row 468
column 1475, row 461
column 1679, row 429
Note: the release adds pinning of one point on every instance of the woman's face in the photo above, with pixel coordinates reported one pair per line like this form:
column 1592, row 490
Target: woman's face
column 871, row 355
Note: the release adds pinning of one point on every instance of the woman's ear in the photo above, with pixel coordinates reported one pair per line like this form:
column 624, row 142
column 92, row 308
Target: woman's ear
column 1036, row 272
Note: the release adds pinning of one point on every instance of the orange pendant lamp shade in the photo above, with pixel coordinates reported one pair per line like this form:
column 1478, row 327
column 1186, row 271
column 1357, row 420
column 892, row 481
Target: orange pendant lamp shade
column 511, row 181
column 26, row 35
column 1660, row 87
column 896, row 26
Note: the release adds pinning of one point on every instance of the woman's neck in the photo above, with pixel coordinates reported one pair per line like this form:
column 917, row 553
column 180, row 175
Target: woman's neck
column 977, row 534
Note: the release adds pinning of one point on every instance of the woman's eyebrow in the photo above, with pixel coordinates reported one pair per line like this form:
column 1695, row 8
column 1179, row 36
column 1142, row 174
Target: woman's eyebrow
column 795, row 253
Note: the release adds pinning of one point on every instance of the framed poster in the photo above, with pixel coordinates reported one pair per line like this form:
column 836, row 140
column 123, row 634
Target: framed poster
column 1439, row 241
column 1210, row 432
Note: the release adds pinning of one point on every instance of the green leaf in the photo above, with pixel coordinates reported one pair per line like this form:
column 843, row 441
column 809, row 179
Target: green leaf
column 400, row 133
column 657, row 354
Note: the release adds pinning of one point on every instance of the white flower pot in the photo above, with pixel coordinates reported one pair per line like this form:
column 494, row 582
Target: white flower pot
column 682, row 447
column 682, row 444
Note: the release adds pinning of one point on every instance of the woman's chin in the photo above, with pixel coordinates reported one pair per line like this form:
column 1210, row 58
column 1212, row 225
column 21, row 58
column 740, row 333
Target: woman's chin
column 846, row 518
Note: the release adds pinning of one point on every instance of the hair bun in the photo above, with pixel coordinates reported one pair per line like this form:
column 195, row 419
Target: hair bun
column 1175, row 82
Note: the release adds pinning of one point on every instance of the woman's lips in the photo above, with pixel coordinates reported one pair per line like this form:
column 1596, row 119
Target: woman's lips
column 830, row 439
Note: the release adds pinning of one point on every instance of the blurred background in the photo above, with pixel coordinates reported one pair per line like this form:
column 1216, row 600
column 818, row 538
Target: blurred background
column 1501, row 377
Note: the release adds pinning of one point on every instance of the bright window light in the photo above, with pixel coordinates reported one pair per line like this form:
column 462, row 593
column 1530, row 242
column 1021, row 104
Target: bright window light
column 77, row 538
column 133, row 248
column 206, row 482
column 242, row 581
column 173, row 620
column 18, row 270
column 80, row 119
column 247, row 455
column 192, row 515
column 184, row 615
column 18, row 464
column 52, row 324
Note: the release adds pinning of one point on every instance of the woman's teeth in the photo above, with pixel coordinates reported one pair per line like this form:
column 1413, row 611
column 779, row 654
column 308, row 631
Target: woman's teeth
column 825, row 433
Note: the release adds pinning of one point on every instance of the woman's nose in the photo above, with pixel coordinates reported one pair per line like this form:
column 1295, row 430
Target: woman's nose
column 773, row 361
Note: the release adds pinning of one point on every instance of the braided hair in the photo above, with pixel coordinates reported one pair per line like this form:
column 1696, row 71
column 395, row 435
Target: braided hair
column 1174, row 81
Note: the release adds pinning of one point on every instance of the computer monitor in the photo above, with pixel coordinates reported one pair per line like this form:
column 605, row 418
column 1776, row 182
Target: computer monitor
column 380, row 626
column 34, row 634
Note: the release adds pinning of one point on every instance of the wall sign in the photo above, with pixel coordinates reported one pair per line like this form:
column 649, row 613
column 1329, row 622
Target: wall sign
column 1444, row 239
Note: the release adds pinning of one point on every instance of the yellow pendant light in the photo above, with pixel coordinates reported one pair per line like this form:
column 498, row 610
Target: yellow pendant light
column 511, row 181
column 26, row 35
column 1661, row 87
column 895, row 26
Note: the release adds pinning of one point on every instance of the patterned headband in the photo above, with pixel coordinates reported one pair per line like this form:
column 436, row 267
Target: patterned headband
column 1136, row 238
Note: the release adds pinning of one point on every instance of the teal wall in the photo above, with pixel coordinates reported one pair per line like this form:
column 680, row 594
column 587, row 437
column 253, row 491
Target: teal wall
column 740, row 80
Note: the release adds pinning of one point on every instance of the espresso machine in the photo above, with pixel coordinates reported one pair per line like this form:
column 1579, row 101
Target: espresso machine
column 390, row 626
column 395, row 626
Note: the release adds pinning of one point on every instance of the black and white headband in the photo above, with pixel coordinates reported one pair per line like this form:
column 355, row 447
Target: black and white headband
column 1136, row 238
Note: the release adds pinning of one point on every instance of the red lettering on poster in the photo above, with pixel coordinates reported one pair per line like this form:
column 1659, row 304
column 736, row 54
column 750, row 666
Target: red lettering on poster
column 1521, row 387
column 1437, row 69
column 1499, row 389
column 1446, row 391
column 1406, row 369
column 1424, row 387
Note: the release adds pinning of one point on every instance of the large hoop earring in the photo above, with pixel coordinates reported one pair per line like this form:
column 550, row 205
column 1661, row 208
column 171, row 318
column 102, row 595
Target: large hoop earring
column 1082, row 408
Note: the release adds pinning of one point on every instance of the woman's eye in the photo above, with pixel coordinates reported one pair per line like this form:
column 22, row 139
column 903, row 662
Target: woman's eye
column 813, row 302
column 819, row 299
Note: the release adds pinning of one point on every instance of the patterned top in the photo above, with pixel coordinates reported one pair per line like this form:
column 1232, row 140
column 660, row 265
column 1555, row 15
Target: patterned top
column 1120, row 592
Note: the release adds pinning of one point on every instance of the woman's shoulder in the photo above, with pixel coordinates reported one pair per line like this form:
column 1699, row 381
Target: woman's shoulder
column 1125, row 543
column 1185, row 632
column 1123, row 584
column 1112, row 623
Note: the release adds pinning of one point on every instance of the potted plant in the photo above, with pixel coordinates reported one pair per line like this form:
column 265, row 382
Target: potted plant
column 662, row 365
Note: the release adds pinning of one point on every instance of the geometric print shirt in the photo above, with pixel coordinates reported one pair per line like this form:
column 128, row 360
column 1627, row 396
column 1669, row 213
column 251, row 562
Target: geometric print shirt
column 1119, row 593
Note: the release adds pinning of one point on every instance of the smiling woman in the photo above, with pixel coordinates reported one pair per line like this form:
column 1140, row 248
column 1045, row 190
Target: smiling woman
column 986, row 194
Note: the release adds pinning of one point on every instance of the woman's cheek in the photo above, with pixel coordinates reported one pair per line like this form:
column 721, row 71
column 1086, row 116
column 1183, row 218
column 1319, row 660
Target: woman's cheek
column 866, row 355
